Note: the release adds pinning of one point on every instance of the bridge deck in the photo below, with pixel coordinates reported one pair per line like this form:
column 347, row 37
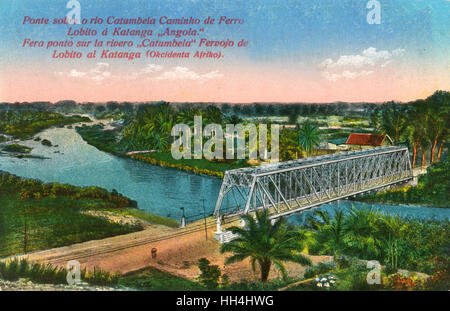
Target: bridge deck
column 290, row 187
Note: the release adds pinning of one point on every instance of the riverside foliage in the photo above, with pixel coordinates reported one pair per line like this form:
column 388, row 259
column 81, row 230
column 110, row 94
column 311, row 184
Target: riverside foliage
column 433, row 189
column 24, row 124
column 35, row 215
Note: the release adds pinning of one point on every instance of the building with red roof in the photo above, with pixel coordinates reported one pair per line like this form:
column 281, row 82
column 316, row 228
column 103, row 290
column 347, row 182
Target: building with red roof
column 362, row 140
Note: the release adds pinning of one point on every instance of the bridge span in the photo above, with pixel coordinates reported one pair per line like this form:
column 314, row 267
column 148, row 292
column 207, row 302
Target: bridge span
column 291, row 187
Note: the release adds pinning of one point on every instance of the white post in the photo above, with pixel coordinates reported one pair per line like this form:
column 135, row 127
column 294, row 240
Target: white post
column 219, row 225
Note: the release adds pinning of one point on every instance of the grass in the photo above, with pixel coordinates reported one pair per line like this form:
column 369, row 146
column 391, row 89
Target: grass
column 154, row 279
column 51, row 222
column 17, row 148
column 14, row 269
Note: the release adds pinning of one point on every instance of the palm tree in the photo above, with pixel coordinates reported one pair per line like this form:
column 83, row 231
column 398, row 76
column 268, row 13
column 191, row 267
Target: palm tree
column 160, row 142
column 308, row 137
column 331, row 231
column 265, row 244
column 392, row 228
column 362, row 227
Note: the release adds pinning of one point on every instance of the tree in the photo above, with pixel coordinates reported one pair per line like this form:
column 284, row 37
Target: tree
column 213, row 115
column 210, row 274
column 393, row 121
column 265, row 244
column 331, row 232
column 436, row 119
column 362, row 234
column 416, row 120
column 308, row 137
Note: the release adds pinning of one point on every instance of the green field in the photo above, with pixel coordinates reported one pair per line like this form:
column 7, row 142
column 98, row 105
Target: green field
column 35, row 215
column 28, row 225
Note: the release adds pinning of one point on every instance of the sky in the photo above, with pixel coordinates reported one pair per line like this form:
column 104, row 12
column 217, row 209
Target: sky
column 298, row 51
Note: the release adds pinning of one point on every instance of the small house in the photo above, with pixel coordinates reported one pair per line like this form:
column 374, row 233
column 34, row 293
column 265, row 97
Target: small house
column 362, row 140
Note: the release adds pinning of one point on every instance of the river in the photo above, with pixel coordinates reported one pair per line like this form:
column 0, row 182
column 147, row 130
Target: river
column 157, row 190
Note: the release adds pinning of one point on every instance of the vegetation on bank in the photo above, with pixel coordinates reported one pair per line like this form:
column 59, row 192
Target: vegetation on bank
column 17, row 148
column 421, row 124
column 104, row 140
column 36, row 215
column 433, row 189
column 198, row 166
column 25, row 124
column 396, row 242
column 14, row 269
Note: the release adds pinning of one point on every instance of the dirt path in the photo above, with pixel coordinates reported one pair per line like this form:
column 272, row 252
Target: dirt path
column 178, row 255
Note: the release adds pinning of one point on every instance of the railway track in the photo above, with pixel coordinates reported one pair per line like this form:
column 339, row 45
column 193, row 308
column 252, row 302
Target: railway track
column 89, row 252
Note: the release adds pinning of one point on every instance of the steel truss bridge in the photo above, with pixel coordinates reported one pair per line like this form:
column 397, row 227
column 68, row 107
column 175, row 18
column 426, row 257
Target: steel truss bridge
column 291, row 187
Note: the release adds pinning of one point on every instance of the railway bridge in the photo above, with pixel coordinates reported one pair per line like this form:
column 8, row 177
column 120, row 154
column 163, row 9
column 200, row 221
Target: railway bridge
column 294, row 186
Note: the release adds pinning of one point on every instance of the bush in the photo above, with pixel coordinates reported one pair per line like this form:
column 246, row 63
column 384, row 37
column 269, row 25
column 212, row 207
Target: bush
column 210, row 274
column 399, row 281
column 321, row 268
column 48, row 274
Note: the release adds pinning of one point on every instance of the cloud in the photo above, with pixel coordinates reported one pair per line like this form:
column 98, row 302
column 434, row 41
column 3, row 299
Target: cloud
column 144, row 71
column 359, row 65
column 345, row 74
column 76, row 74
column 183, row 73
column 97, row 74
column 150, row 68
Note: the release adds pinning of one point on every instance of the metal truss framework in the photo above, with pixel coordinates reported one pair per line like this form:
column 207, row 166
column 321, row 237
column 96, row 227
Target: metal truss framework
column 293, row 186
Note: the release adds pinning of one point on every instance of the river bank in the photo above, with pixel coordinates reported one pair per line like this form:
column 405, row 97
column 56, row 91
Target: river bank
column 104, row 137
column 36, row 215
column 433, row 189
